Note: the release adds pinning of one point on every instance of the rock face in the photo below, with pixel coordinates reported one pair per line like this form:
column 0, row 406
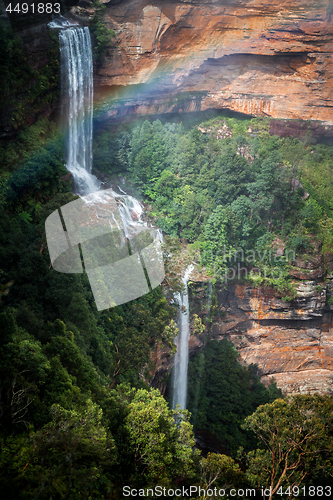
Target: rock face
column 269, row 58
column 290, row 341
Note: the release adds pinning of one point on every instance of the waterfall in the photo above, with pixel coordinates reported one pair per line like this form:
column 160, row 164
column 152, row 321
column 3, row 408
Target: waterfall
column 122, row 256
column 77, row 104
column 77, row 117
column 181, row 359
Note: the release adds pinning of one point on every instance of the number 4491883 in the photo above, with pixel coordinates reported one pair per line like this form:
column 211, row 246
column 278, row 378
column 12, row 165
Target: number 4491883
column 39, row 8
column 312, row 491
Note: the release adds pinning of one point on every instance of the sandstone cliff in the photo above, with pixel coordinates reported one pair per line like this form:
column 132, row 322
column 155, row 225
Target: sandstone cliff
column 270, row 58
column 290, row 341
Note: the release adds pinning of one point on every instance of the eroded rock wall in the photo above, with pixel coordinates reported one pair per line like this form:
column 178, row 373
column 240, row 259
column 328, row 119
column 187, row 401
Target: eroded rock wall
column 256, row 57
column 290, row 341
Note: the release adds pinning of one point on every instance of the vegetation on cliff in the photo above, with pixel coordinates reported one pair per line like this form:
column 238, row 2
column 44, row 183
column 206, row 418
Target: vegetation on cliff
column 103, row 36
column 222, row 393
column 230, row 190
column 78, row 416
column 26, row 92
column 62, row 405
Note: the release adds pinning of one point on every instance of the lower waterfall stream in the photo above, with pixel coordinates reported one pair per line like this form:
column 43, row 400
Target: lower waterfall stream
column 181, row 359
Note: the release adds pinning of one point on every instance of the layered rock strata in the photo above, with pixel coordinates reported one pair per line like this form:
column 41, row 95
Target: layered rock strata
column 260, row 58
column 291, row 342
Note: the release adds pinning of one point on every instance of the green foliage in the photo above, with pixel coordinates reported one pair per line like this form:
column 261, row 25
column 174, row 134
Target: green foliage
column 25, row 91
column 162, row 443
column 76, row 417
column 58, row 352
column 23, row 372
column 295, row 438
column 107, row 153
column 198, row 327
column 316, row 175
column 40, row 172
column 103, row 35
column 65, row 459
column 231, row 175
column 326, row 234
column 220, row 470
column 27, row 142
column 312, row 213
column 222, row 393
column 226, row 194
column 72, row 449
column 216, row 243
column 148, row 154
column 154, row 443
column 299, row 241
column 170, row 333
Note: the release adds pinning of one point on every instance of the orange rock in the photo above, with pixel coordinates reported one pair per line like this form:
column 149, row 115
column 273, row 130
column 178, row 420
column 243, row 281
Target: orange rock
column 263, row 58
column 292, row 342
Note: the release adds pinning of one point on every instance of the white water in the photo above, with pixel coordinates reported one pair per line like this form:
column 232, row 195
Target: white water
column 62, row 23
column 128, row 218
column 181, row 359
column 77, row 103
column 121, row 213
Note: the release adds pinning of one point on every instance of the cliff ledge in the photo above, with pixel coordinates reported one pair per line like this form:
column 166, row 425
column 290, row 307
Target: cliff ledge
column 260, row 58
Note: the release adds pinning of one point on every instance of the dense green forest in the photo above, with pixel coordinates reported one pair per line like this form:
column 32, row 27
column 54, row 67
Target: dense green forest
column 79, row 415
column 229, row 189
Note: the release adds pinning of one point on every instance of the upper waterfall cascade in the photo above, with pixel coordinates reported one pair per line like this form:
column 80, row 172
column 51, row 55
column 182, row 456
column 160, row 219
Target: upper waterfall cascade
column 121, row 255
column 181, row 359
column 77, row 105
